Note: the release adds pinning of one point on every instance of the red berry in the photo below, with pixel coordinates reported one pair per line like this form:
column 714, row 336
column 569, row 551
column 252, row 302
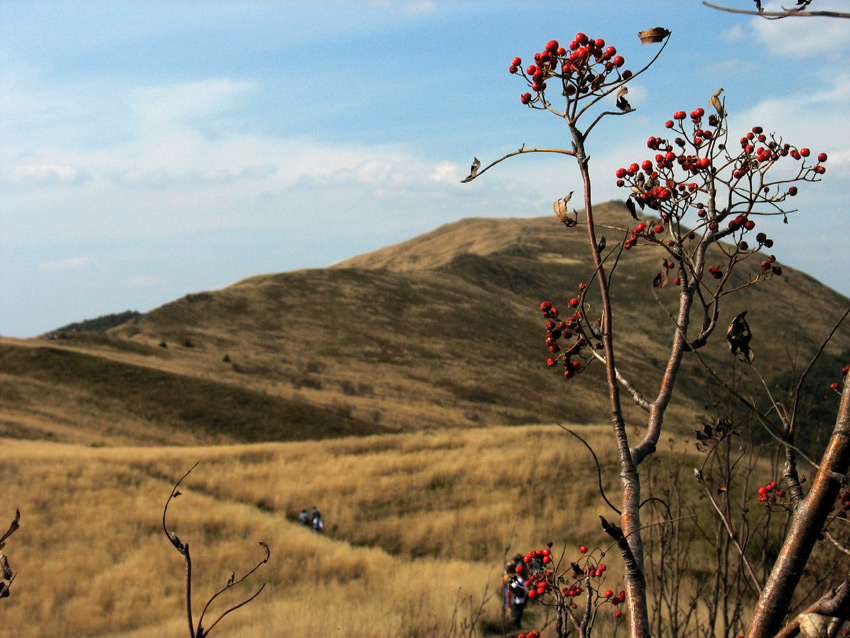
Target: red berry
column 822, row 157
column 608, row 593
column 792, row 191
column 546, row 306
column 551, row 362
column 659, row 229
column 516, row 61
column 583, row 549
column 618, row 61
column 618, row 614
column 805, row 152
column 679, row 115
column 573, row 302
column 525, row 98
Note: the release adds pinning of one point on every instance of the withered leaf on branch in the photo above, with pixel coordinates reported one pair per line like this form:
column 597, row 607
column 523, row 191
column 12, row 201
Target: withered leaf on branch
column 652, row 36
column 473, row 170
column 814, row 625
column 600, row 245
column 560, row 207
column 4, row 590
column 660, row 280
column 267, row 551
column 12, row 528
column 630, row 204
column 5, row 570
column 622, row 103
column 717, row 104
column 738, row 335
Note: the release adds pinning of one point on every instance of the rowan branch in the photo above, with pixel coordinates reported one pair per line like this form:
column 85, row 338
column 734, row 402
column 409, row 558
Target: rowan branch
column 778, row 15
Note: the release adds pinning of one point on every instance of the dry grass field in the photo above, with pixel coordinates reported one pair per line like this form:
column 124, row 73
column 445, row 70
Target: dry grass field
column 412, row 521
column 394, row 391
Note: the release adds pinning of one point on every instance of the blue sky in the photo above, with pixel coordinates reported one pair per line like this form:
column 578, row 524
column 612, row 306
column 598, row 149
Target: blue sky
column 152, row 149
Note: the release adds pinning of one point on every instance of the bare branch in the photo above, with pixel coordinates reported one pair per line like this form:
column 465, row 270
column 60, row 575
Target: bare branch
column 521, row 151
column 598, row 468
column 733, row 535
column 776, row 15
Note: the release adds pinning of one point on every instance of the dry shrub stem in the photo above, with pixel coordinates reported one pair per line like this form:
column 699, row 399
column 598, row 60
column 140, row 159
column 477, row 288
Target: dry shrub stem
column 200, row 631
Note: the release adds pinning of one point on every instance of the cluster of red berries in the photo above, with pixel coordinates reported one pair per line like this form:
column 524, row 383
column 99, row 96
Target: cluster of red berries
column 643, row 230
column 654, row 184
column 715, row 272
column 615, row 599
column 531, row 634
column 835, row 385
column 583, row 67
column 769, row 493
column 569, row 329
column 770, row 151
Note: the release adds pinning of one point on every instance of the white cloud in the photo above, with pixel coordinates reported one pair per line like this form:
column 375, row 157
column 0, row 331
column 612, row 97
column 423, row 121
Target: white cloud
column 46, row 173
column 64, row 265
column 802, row 37
column 141, row 282
column 169, row 103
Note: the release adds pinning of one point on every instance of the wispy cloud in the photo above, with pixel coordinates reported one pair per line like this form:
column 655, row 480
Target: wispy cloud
column 46, row 173
column 800, row 38
column 76, row 263
column 141, row 282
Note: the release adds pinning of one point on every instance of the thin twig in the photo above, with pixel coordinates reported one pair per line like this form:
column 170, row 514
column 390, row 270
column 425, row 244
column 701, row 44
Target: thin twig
column 774, row 15
column 598, row 468
column 730, row 530
column 793, row 419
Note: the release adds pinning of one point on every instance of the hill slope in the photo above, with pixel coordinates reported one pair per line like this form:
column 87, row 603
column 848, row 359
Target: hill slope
column 442, row 330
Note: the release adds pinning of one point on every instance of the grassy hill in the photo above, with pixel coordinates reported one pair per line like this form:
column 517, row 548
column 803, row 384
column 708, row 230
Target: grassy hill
column 442, row 330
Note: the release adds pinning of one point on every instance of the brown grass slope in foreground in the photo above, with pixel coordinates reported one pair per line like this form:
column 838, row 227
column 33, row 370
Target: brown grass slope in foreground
column 442, row 330
column 410, row 518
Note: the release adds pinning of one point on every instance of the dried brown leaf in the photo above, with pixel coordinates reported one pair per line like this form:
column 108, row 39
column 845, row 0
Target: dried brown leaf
column 814, row 625
column 652, row 36
column 660, row 280
column 717, row 104
column 473, row 170
column 5, row 570
column 738, row 335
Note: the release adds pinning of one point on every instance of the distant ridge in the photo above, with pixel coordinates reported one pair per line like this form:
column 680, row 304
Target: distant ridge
column 442, row 330
column 98, row 324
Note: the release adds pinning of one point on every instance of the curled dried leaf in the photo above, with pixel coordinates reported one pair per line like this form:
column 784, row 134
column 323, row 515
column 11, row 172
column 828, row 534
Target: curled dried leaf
column 660, row 280
column 652, row 36
column 717, row 104
column 473, row 170
column 622, row 103
column 738, row 335
column 814, row 625
column 560, row 207
column 267, row 551
column 5, row 570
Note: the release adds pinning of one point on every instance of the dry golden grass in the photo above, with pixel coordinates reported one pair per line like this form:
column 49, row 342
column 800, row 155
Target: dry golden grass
column 410, row 519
